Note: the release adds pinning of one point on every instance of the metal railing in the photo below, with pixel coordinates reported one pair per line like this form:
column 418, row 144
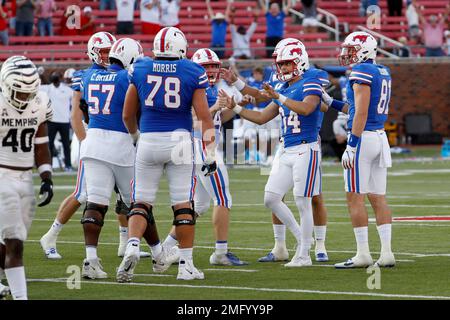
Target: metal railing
column 384, row 39
column 330, row 17
column 321, row 24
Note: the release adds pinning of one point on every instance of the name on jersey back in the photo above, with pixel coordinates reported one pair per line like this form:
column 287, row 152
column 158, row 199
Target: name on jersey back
column 103, row 77
column 170, row 68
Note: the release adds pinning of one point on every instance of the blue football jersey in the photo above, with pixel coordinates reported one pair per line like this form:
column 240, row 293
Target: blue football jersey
column 379, row 79
column 166, row 89
column 105, row 92
column 81, row 75
column 211, row 95
column 322, row 76
column 295, row 128
column 258, row 85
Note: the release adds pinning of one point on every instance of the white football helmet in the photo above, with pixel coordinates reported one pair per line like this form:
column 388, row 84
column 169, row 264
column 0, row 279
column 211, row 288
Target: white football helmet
column 357, row 47
column 298, row 55
column 97, row 42
column 126, row 50
column 19, row 81
column 170, row 42
column 206, row 57
column 68, row 74
column 287, row 42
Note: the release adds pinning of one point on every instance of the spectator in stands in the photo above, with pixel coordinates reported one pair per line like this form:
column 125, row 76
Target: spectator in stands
column 310, row 20
column 413, row 20
column 447, row 41
column 3, row 26
column 12, row 20
column 107, row 5
column 87, row 22
column 150, row 16
column 366, row 4
column 25, row 17
column 395, row 7
column 275, row 23
column 219, row 24
column 405, row 51
column 433, row 34
column 241, row 37
column 68, row 25
column 169, row 13
column 60, row 97
column 125, row 16
column 44, row 12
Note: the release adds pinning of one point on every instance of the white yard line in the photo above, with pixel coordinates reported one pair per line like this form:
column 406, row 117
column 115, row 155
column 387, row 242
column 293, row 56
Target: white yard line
column 256, row 289
column 231, row 269
column 262, row 249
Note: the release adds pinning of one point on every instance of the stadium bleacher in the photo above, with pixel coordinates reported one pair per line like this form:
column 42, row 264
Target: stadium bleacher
column 195, row 24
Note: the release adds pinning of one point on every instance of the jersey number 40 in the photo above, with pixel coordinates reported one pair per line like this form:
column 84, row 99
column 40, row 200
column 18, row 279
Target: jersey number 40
column 171, row 86
column 25, row 141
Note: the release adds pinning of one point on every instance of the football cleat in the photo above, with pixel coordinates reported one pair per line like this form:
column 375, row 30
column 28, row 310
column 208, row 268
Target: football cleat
column 4, row 292
column 48, row 244
column 160, row 263
column 129, row 262
column 187, row 271
column 173, row 255
column 228, row 259
column 92, row 269
column 386, row 260
column 272, row 257
column 299, row 261
column 122, row 248
column 321, row 256
column 358, row 261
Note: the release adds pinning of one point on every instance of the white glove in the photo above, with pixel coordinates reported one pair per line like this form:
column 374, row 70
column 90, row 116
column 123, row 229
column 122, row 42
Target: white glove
column 326, row 98
column 348, row 158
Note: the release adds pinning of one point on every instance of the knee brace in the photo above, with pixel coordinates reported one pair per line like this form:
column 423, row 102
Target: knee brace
column 141, row 209
column 121, row 207
column 180, row 222
column 95, row 207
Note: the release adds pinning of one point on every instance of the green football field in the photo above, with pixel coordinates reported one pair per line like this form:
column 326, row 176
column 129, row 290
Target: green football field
column 422, row 247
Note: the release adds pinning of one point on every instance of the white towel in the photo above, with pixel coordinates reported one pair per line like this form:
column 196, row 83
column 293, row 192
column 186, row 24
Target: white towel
column 385, row 156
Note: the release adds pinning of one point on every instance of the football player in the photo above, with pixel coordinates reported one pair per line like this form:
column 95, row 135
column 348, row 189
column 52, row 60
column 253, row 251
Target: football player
column 24, row 112
column 214, row 187
column 279, row 251
column 367, row 155
column 107, row 152
column 98, row 47
column 298, row 100
column 165, row 90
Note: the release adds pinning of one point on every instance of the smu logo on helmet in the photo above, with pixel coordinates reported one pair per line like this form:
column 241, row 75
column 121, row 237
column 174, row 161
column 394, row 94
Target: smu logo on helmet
column 97, row 40
column 362, row 38
column 296, row 50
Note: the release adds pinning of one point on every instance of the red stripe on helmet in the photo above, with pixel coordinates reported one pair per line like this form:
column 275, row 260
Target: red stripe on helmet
column 116, row 44
column 163, row 39
column 208, row 53
column 110, row 37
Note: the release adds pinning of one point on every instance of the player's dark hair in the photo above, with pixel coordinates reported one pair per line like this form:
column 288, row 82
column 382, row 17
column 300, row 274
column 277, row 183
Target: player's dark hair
column 167, row 58
column 116, row 61
column 259, row 70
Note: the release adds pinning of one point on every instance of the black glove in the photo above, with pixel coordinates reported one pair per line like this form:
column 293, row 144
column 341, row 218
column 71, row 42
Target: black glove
column 210, row 168
column 84, row 107
column 46, row 192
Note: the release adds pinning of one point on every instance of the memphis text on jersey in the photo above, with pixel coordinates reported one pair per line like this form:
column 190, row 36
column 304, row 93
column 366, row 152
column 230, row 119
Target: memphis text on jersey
column 21, row 122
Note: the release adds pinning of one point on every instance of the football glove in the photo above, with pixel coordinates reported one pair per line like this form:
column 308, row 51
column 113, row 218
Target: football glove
column 209, row 167
column 348, row 158
column 84, row 107
column 46, row 192
column 326, row 98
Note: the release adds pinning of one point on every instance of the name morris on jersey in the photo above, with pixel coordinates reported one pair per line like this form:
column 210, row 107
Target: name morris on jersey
column 22, row 122
column 171, row 68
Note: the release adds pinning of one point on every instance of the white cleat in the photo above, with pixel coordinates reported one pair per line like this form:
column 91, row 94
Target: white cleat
column 4, row 291
column 92, row 269
column 121, row 249
column 48, row 244
column 386, row 260
column 358, row 261
column 321, row 256
column 187, row 271
column 173, row 255
column 160, row 263
column 299, row 261
column 126, row 268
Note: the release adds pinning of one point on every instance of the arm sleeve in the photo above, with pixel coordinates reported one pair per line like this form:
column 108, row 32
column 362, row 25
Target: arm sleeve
column 76, row 80
column 312, row 87
column 251, row 30
column 360, row 75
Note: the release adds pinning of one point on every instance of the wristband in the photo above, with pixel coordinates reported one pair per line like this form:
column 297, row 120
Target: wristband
column 41, row 140
column 239, row 84
column 282, row 99
column 44, row 167
column 237, row 109
column 337, row 105
column 353, row 140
